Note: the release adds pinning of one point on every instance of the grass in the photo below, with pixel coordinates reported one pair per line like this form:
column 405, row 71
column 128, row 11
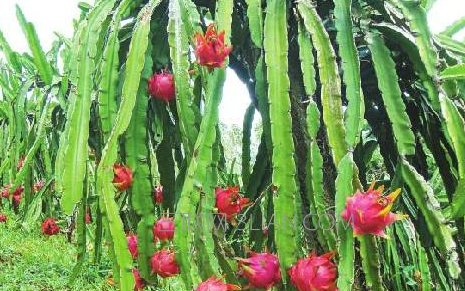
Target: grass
column 29, row 261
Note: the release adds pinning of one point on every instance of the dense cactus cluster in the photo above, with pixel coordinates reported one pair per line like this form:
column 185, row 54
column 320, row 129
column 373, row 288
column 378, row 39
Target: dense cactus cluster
column 112, row 138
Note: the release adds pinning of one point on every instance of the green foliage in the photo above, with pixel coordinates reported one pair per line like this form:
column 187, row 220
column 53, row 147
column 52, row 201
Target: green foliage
column 348, row 91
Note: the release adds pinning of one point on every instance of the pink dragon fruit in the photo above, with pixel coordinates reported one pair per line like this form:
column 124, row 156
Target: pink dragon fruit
column 164, row 263
column 3, row 218
column 163, row 229
column 132, row 245
column 158, row 194
column 262, row 270
column 370, row 212
column 314, row 273
column 161, row 86
column 140, row 283
column 229, row 202
column 215, row 284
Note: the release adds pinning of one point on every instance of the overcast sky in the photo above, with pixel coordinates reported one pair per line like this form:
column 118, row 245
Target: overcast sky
column 56, row 15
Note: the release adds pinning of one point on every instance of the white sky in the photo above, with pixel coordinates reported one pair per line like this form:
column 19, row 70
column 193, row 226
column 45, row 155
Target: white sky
column 56, row 15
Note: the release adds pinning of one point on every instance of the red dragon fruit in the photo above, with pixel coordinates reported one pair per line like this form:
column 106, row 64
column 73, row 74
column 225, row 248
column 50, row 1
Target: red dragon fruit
column 3, row 218
column 50, row 227
column 17, row 196
column 158, row 194
column 210, row 49
column 5, row 191
column 164, row 264
column 122, row 178
column 38, row 186
column 370, row 212
column 140, row 283
column 229, row 202
column 132, row 245
column 215, row 284
column 262, row 270
column 314, row 273
column 16, row 200
column 161, row 86
column 163, row 229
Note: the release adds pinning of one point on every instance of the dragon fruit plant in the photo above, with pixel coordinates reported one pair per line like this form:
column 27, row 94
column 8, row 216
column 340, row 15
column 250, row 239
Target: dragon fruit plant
column 115, row 132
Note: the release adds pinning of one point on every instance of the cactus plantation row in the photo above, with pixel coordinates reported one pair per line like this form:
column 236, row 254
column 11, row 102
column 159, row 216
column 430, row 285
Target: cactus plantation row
column 112, row 138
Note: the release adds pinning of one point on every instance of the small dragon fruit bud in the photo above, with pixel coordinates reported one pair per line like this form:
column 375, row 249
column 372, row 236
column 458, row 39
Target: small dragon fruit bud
column 210, row 49
column 122, row 178
column 314, row 273
column 140, row 283
column 20, row 163
column 161, row 86
column 38, row 186
column 49, row 227
column 132, row 245
column 215, row 284
column 163, row 229
column 229, row 202
column 164, row 264
column 370, row 212
column 262, row 270
column 158, row 194
column 3, row 218
column 6, row 191
column 88, row 217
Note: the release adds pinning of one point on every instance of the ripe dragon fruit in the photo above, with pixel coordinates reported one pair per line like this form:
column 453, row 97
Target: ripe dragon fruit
column 132, row 245
column 3, row 218
column 262, row 270
column 122, row 178
column 229, row 202
column 139, row 282
column 370, row 212
column 158, row 194
column 163, row 229
column 215, row 284
column 161, row 86
column 38, row 186
column 6, row 191
column 210, row 49
column 49, row 227
column 164, row 264
column 314, row 273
